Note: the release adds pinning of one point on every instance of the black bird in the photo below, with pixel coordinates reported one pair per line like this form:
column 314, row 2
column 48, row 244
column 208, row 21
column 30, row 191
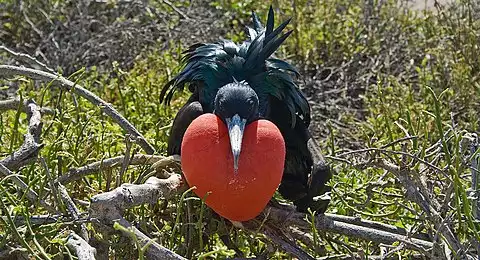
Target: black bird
column 242, row 83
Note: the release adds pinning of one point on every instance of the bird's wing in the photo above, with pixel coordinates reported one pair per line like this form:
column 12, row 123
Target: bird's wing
column 321, row 174
column 305, row 174
column 191, row 110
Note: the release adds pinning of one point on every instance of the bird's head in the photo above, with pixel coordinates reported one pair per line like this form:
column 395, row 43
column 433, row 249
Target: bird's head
column 237, row 105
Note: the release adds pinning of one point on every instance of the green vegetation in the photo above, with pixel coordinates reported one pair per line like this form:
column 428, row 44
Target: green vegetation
column 374, row 72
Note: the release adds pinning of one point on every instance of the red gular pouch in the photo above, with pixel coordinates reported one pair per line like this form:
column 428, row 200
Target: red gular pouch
column 207, row 163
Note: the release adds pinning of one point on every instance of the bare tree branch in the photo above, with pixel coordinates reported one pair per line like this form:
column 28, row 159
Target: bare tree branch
column 304, row 237
column 126, row 160
column 12, row 104
column 108, row 207
column 278, row 237
column 5, row 172
column 63, row 193
column 28, row 151
column 372, row 257
column 27, row 59
column 137, row 159
column 281, row 217
column 7, row 71
column 82, row 249
column 374, row 225
column 415, row 194
column 37, row 219
column 153, row 249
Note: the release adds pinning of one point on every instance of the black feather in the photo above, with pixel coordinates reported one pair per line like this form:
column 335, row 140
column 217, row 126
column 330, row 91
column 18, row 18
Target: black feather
column 257, row 25
column 270, row 19
column 277, row 31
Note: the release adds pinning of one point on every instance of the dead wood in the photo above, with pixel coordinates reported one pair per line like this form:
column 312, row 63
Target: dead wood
column 107, row 108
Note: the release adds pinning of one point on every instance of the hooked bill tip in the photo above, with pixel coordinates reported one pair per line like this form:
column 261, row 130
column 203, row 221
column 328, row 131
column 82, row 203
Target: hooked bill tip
column 236, row 157
column 236, row 126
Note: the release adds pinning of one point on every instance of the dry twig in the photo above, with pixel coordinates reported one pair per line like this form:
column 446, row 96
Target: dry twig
column 374, row 225
column 154, row 250
column 82, row 249
column 7, row 71
column 13, row 104
column 28, row 151
column 416, row 193
column 286, row 218
column 137, row 159
column 176, row 9
column 108, row 207
column 38, row 219
column 278, row 237
column 27, row 59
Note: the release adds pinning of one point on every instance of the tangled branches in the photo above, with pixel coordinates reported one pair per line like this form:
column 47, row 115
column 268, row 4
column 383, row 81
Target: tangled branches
column 88, row 34
column 436, row 191
column 278, row 222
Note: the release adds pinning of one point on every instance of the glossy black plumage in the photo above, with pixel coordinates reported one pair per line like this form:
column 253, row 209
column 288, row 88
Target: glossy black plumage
column 209, row 67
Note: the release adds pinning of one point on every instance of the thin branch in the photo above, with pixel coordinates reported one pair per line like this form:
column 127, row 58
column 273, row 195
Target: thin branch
column 38, row 219
column 72, row 209
column 108, row 207
column 27, row 59
column 287, row 245
column 5, row 172
column 82, row 249
column 153, row 249
column 407, row 138
column 176, row 9
column 31, row 194
column 6, row 71
column 305, row 237
column 416, row 158
column 415, row 194
column 374, row 225
column 137, row 159
column 126, row 160
column 370, row 257
column 280, row 217
column 28, row 151
column 12, row 104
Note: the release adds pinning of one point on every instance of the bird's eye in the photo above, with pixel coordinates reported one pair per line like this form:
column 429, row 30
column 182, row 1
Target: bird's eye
column 250, row 102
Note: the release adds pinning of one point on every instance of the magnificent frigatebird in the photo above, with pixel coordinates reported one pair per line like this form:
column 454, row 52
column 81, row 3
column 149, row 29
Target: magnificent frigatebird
column 243, row 83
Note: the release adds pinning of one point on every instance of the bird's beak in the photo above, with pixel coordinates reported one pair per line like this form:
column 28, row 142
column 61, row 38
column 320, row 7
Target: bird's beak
column 236, row 126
